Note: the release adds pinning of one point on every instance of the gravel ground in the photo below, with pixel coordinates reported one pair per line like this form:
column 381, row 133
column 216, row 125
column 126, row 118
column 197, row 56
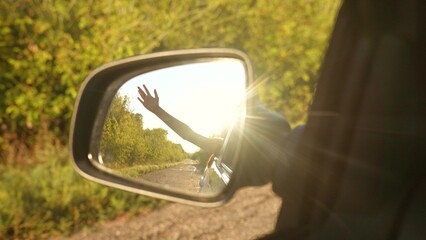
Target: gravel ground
column 184, row 177
column 250, row 214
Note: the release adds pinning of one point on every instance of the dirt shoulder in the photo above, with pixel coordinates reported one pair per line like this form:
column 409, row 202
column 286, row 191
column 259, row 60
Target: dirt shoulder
column 250, row 214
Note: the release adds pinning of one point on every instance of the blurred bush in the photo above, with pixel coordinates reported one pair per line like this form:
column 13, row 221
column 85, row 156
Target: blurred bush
column 51, row 198
column 48, row 48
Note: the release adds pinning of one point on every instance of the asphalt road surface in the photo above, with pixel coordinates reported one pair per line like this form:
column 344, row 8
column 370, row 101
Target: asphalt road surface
column 250, row 214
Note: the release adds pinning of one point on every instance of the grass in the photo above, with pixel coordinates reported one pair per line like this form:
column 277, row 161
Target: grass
column 51, row 199
column 140, row 170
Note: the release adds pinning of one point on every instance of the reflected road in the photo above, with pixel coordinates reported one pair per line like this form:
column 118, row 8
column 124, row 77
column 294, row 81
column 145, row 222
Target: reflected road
column 185, row 176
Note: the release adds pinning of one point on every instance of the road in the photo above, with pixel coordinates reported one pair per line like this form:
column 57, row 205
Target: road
column 250, row 214
column 185, row 176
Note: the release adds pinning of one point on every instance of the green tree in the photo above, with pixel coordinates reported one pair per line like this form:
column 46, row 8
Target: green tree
column 126, row 143
column 202, row 156
column 49, row 47
column 287, row 43
column 122, row 140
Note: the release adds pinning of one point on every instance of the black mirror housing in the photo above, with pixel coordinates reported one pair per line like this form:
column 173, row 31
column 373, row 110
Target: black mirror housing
column 92, row 107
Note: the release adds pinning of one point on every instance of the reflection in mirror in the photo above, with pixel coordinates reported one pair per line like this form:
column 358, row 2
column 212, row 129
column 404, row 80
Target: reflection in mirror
column 168, row 127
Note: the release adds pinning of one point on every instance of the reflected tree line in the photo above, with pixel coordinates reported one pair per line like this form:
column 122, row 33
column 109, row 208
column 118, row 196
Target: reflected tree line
column 126, row 143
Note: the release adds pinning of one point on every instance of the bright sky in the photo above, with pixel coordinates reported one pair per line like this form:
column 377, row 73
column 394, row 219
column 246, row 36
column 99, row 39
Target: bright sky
column 205, row 96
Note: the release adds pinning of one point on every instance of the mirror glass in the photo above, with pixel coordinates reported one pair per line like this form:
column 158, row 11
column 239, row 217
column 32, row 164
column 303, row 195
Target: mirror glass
column 167, row 127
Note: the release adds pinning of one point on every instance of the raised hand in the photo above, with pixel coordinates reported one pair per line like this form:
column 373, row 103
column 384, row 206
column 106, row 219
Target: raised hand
column 148, row 101
column 151, row 103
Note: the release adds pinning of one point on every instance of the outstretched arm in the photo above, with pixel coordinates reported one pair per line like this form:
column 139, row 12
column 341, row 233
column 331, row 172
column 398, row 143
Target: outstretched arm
column 151, row 103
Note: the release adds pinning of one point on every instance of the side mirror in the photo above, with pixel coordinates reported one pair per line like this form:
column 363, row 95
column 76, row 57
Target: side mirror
column 116, row 141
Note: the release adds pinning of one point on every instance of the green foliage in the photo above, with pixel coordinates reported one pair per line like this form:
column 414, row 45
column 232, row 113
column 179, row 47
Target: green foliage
column 52, row 199
column 125, row 143
column 287, row 43
column 49, row 47
column 140, row 170
column 202, row 156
